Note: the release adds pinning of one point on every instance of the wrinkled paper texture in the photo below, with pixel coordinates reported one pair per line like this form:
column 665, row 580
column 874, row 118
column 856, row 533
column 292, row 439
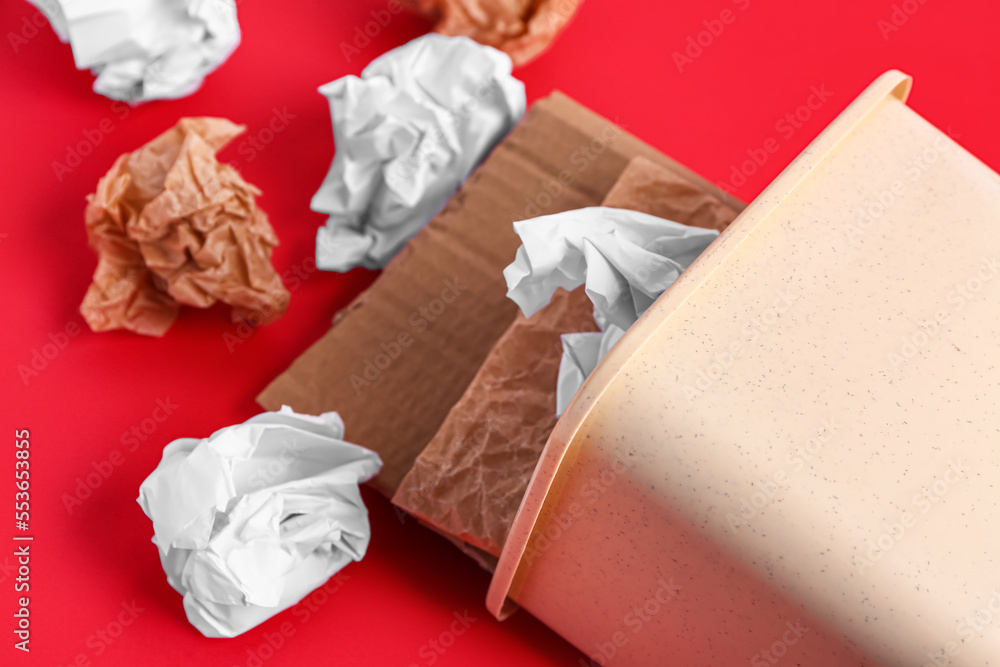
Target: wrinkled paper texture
column 470, row 478
column 520, row 28
column 625, row 259
column 408, row 132
column 146, row 49
column 173, row 225
column 652, row 188
column 253, row 518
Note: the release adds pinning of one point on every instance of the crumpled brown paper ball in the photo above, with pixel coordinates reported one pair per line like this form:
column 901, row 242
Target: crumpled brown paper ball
column 171, row 225
column 521, row 28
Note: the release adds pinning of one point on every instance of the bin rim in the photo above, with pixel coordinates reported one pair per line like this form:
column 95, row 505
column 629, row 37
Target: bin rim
column 891, row 84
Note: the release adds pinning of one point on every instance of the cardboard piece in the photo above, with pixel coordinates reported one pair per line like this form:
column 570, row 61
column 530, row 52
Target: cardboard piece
column 404, row 351
column 469, row 480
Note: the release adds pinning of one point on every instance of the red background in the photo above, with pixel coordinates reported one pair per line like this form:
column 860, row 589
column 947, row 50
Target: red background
column 616, row 57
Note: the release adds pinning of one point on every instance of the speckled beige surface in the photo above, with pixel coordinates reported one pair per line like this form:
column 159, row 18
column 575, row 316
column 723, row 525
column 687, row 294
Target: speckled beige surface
column 810, row 420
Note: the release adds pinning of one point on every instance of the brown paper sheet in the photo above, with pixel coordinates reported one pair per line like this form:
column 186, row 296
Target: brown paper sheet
column 403, row 352
column 469, row 480
column 647, row 187
column 172, row 225
column 521, row 28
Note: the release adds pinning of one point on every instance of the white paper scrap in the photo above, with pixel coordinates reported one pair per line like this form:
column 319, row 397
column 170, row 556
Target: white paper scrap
column 408, row 132
column 146, row 49
column 581, row 353
column 251, row 519
column 626, row 260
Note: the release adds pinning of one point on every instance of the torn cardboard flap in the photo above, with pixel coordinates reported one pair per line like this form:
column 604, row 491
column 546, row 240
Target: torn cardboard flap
column 402, row 354
column 469, row 481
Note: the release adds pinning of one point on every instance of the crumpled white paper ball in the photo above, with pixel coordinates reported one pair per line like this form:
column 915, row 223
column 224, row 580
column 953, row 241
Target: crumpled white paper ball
column 146, row 49
column 408, row 132
column 626, row 259
column 251, row 519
